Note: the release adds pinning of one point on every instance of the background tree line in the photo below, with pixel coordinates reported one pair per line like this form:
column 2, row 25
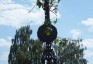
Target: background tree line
column 25, row 50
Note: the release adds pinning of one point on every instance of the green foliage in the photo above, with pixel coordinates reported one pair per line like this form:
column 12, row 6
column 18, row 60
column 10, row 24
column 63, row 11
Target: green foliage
column 53, row 5
column 55, row 21
column 47, row 22
column 25, row 50
column 69, row 51
column 48, row 32
column 39, row 4
column 58, row 1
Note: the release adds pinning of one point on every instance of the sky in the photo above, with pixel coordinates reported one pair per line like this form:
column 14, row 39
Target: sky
column 75, row 20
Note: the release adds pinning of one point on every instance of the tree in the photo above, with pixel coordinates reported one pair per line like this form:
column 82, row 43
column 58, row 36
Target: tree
column 25, row 50
column 69, row 51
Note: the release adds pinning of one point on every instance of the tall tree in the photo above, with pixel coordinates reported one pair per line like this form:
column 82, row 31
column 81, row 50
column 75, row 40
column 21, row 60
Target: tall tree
column 25, row 50
column 69, row 51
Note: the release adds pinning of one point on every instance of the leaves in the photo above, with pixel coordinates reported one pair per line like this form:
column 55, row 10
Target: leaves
column 56, row 41
column 55, row 21
column 30, row 52
column 70, row 52
column 47, row 22
column 52, row 4
column 48, row 31
column 58, row 1
column 39, row 4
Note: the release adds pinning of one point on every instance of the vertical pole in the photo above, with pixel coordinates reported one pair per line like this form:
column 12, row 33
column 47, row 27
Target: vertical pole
column 49, row 51
column 48, row 54
column 46, row 10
